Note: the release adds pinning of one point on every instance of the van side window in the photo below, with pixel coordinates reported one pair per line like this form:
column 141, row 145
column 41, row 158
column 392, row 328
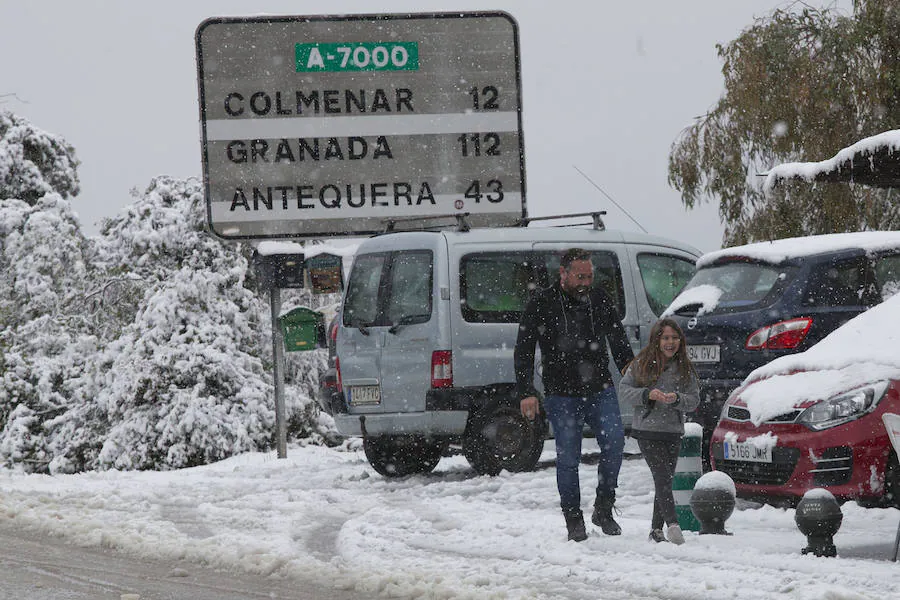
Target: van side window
column 361, row 300
column 837, row 284
column 494, row 286
column 607, row 274
column 664, row 277
column 410, row 297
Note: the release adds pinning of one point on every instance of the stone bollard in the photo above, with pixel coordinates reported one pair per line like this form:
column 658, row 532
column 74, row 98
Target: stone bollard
column 818, row 517
column 713, row 502
column 687, row 472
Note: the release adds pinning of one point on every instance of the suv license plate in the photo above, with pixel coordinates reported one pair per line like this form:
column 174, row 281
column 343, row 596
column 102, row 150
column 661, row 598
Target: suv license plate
column 364, row 394
column 747, row 452
column 704, row 354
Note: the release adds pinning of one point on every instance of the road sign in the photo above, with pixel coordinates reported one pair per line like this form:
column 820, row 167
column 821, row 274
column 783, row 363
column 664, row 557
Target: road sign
column 320, row 126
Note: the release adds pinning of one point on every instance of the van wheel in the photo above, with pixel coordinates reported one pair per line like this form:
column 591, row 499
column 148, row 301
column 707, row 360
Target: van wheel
column 402, row 455
column 498, row 437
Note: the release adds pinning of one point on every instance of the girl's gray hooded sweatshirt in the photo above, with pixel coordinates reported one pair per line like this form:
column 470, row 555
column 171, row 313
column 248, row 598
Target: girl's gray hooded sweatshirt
column 657, row 420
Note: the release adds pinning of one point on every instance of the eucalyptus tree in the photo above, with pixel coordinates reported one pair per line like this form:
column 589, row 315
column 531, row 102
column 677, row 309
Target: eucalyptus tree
column 799, row 85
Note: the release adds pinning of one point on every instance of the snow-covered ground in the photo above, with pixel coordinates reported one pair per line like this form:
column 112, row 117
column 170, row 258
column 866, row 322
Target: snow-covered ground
column 324, row 515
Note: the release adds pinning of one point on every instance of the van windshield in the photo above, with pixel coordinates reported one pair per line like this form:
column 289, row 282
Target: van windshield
column 743, row 284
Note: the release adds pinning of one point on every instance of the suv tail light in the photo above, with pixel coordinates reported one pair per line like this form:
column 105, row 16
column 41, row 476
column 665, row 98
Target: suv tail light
column 441, row 370
column 783, row 335
column 337, row 372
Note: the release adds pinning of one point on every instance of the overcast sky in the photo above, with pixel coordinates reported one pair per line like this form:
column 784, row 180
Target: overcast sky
column 607, row 87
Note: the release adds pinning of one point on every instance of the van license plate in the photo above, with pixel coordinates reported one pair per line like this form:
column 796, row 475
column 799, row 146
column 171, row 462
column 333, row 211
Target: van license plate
column 704, row 354
column 747, row 452
column 364, row 394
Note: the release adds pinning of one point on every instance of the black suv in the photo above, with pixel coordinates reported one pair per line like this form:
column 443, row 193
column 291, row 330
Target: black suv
column 748, row 305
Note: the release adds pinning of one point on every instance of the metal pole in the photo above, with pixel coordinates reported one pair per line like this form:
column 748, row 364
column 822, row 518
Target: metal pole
column 278, row 372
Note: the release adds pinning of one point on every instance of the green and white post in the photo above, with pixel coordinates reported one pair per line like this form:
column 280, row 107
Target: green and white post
column 687, row 471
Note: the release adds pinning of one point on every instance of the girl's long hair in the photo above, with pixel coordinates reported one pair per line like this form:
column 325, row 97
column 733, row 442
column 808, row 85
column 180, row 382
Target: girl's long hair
column 647, row 366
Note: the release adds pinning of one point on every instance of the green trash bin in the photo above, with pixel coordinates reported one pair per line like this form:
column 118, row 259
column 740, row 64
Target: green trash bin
column 303, row 329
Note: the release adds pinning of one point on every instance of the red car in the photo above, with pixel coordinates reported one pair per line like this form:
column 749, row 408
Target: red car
column 813, row 420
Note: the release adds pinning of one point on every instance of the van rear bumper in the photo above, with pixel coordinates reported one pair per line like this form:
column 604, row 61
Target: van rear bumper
column 438, row 422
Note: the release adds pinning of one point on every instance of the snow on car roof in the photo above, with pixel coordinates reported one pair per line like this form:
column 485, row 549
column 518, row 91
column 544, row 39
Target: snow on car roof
column 778, row 251
column 860, row 352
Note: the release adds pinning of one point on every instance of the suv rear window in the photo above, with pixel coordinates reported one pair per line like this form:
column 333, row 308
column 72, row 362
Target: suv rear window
column 743, row 284
column 494, row 286
column 840, row 283
column 887, row 275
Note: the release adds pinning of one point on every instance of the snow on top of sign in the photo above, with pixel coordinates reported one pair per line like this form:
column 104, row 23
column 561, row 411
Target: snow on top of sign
column 345, row 248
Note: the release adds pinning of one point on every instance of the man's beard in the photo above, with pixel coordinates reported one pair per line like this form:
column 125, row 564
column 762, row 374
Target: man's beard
column 578, row 292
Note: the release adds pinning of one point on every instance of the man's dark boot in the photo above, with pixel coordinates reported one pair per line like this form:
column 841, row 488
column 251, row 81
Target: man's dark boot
column 602, row 517
column 575, row 524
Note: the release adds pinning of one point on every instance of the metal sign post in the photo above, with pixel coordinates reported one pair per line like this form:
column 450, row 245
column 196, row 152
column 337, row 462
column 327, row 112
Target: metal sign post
column 278, row 372
column 319, row 126
column 276, row 271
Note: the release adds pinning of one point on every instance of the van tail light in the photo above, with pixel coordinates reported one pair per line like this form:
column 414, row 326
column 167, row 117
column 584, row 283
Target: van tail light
column 783, row 335
column 337, row 371
column 441, row 369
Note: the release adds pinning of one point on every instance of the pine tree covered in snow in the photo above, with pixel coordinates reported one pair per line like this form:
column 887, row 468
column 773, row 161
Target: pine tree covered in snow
column 46, row 345
column 34, row 163
column 185, row 383
column 139, row 349
column 189, row 379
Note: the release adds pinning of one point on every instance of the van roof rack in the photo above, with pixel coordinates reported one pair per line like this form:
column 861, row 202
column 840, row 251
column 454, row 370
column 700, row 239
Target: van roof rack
column 596, row 221
column 462, row 224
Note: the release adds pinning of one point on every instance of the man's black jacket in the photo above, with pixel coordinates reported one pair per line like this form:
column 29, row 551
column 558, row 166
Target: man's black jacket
column 572, row 335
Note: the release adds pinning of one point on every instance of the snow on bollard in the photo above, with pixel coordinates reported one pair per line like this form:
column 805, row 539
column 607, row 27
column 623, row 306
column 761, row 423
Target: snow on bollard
column 713, row 502
column 687, row 471
column 818, row 517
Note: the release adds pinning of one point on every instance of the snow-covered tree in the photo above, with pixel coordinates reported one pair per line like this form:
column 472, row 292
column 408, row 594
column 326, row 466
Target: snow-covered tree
column 185, row 384
column 143, row 348
column 189, row 381
column 44, row 259
column 45, row 346
column 800, row 84
column 34, row 163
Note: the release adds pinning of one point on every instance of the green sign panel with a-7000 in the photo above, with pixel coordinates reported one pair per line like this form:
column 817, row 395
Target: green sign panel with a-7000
column 357, row 56
column 320, row 126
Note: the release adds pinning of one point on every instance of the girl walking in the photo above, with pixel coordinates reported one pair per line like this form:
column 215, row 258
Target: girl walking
column 662, row 385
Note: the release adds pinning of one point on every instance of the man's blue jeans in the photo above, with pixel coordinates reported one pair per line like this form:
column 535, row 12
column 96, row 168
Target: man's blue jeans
column 567, row 416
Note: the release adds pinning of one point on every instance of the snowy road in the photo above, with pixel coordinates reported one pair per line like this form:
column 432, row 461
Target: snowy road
column 322, row 516
column 38, row 567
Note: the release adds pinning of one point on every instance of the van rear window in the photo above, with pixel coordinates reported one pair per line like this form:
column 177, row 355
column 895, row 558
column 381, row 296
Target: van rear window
column 361, row 300
column 495, row 286
column 389, row 288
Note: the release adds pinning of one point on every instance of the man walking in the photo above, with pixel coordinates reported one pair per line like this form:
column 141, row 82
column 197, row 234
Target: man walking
column 572, row 322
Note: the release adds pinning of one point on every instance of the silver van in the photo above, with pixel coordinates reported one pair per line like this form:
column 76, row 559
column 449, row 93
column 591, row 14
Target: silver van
column 428, row 326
